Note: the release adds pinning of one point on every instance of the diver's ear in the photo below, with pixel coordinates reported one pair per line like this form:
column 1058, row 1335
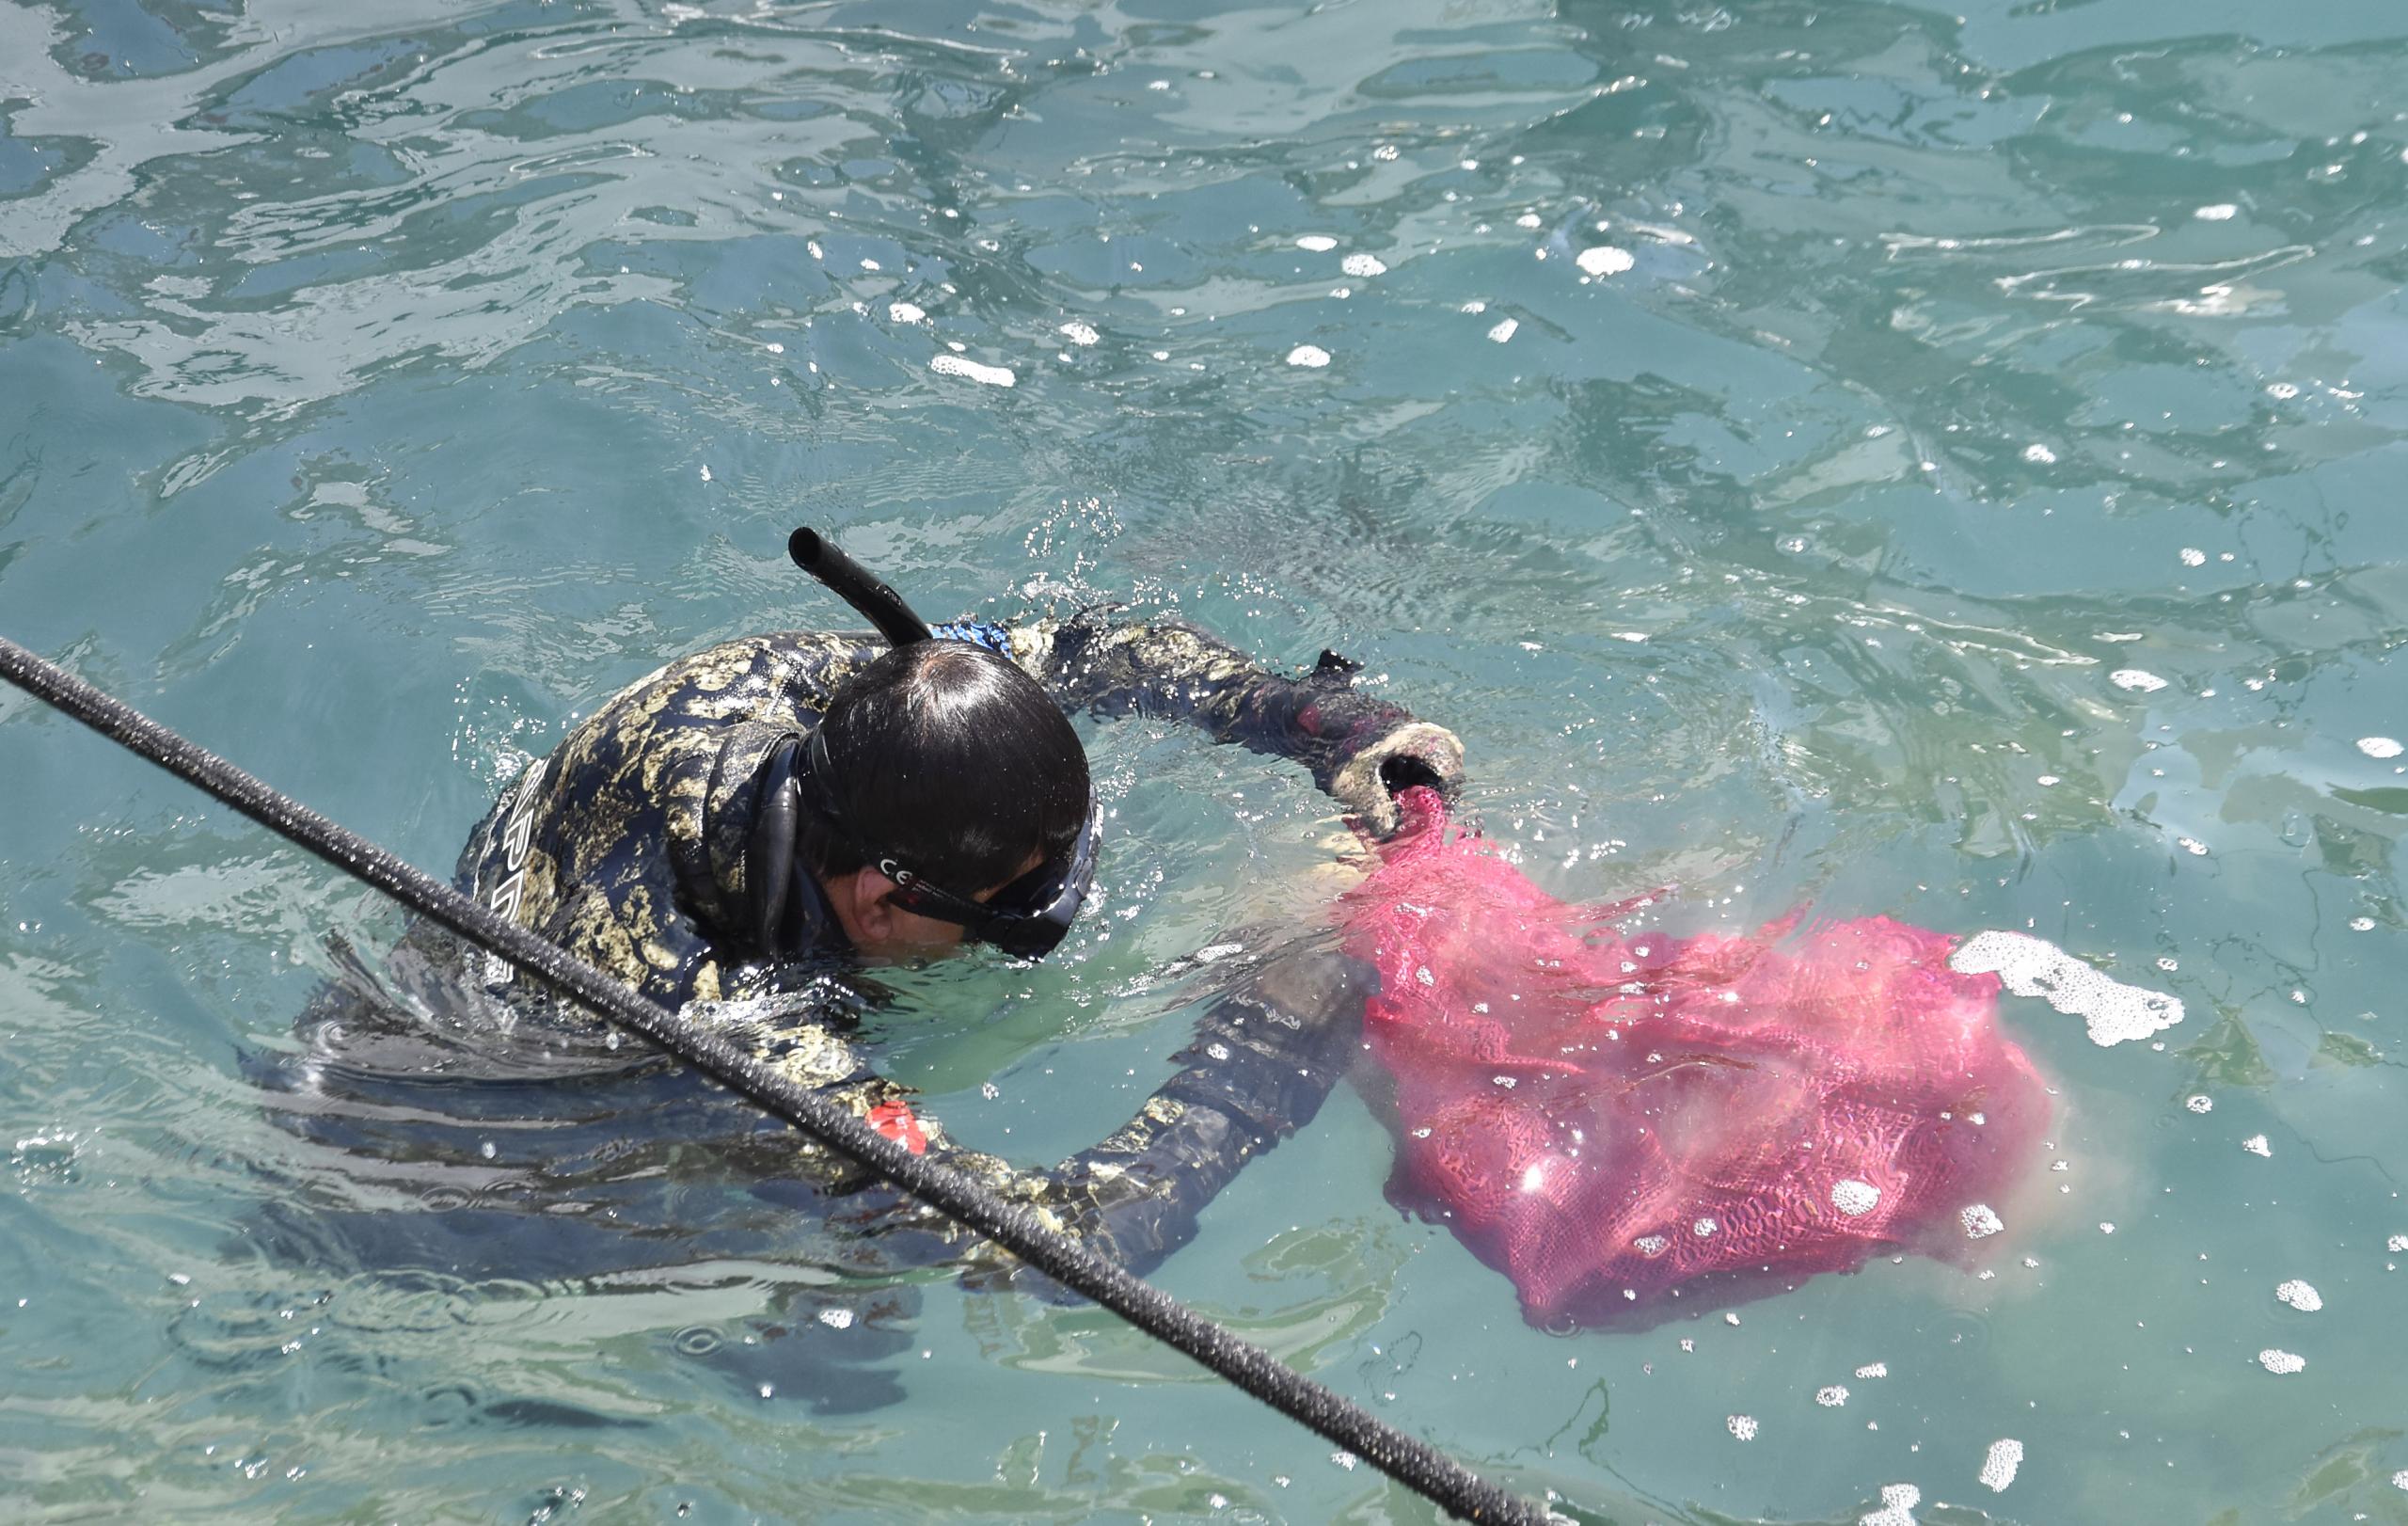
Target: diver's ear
column 870, row 920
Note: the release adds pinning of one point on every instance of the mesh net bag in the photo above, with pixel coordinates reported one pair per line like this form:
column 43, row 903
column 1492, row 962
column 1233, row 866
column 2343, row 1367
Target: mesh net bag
column 1634, row 1127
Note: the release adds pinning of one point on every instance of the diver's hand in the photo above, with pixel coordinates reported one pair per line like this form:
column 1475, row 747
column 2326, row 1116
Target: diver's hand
column 1415, row 752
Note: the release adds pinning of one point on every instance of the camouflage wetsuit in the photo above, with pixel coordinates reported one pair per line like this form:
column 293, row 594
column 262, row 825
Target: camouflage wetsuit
column 627, row 848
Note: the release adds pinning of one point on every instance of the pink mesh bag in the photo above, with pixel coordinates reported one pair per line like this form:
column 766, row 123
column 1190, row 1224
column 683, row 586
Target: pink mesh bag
column 1636, row 1127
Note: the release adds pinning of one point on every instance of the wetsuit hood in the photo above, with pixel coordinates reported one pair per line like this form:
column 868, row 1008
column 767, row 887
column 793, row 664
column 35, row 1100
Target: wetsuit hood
column 751, row 885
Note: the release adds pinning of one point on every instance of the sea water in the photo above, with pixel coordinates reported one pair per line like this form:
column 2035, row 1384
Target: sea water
column 1937, row 461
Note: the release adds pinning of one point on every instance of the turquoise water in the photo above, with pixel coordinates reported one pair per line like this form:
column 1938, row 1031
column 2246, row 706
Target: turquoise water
column 380, row 387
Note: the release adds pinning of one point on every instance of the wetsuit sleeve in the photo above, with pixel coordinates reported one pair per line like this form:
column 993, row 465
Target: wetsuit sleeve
column 1263, row 1060
column 1360, row 749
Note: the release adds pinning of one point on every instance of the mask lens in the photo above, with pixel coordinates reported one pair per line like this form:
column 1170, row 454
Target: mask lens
column 1029, row 917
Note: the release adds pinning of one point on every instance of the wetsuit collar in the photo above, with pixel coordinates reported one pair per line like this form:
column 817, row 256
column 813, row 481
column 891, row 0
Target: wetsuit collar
column 810, row 927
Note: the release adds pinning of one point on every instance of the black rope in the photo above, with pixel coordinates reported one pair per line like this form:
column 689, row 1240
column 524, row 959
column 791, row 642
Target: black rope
column 1416, row 1464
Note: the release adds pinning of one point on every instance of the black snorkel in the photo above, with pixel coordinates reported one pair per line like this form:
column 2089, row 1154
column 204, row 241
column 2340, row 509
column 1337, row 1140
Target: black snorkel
column 852, row 582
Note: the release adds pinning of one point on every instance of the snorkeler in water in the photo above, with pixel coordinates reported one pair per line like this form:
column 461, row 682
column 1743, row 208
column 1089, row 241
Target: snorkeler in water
column 730, row 833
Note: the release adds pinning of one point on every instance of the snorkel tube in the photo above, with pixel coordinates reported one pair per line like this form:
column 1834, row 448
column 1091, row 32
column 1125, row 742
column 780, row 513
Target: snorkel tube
column 857, row 586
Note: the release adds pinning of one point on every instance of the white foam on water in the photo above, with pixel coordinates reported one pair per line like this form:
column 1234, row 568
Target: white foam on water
column 953, row 365
column 904, row 313
column 2030, row 966
column 1981, row 1221
column 2379, row 746
column 2138, row 679
column 1604, row 260
column 1503, row 331
column 2300, row 1295
column 2039, row 456
column 1831, row 1397
column 1363, row 265
column 2281, row 1363
column 1855, row 1199
column 1308, row 355
column 2256, row 1144
column 1998, row 1469
column 2219, row 213
column 1742, row 1426
column 1078, row 333
column 1897, row 1505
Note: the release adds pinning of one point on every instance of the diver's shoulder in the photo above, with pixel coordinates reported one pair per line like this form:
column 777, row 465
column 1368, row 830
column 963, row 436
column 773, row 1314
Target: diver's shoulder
column 732, row 678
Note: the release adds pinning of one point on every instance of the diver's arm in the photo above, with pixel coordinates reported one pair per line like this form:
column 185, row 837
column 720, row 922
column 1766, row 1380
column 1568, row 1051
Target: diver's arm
column 1265, row 1058
column 1360, row 749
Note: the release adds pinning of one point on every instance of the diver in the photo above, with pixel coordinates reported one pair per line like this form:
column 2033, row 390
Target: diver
column 734, row 833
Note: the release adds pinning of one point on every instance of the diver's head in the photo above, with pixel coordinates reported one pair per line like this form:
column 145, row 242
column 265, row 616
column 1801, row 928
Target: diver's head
column 948, row 796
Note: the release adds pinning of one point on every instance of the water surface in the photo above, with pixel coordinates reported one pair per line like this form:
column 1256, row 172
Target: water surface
column 1849, row 455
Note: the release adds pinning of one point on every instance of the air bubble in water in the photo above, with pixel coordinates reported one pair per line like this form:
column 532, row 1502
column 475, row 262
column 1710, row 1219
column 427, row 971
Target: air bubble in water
column 1855, row 1199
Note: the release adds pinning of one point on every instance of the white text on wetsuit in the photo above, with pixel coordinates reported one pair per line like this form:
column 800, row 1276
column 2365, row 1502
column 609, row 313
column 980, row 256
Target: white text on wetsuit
column 516, row 823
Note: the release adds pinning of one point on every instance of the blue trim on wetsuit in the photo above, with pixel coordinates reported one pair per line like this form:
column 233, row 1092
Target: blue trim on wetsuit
column 977, row 632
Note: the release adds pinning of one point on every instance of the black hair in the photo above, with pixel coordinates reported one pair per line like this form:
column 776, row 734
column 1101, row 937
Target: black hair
column 950, row 759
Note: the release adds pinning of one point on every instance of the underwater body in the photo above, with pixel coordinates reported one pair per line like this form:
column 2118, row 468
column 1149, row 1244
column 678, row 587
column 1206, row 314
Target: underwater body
column 1843, row 462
